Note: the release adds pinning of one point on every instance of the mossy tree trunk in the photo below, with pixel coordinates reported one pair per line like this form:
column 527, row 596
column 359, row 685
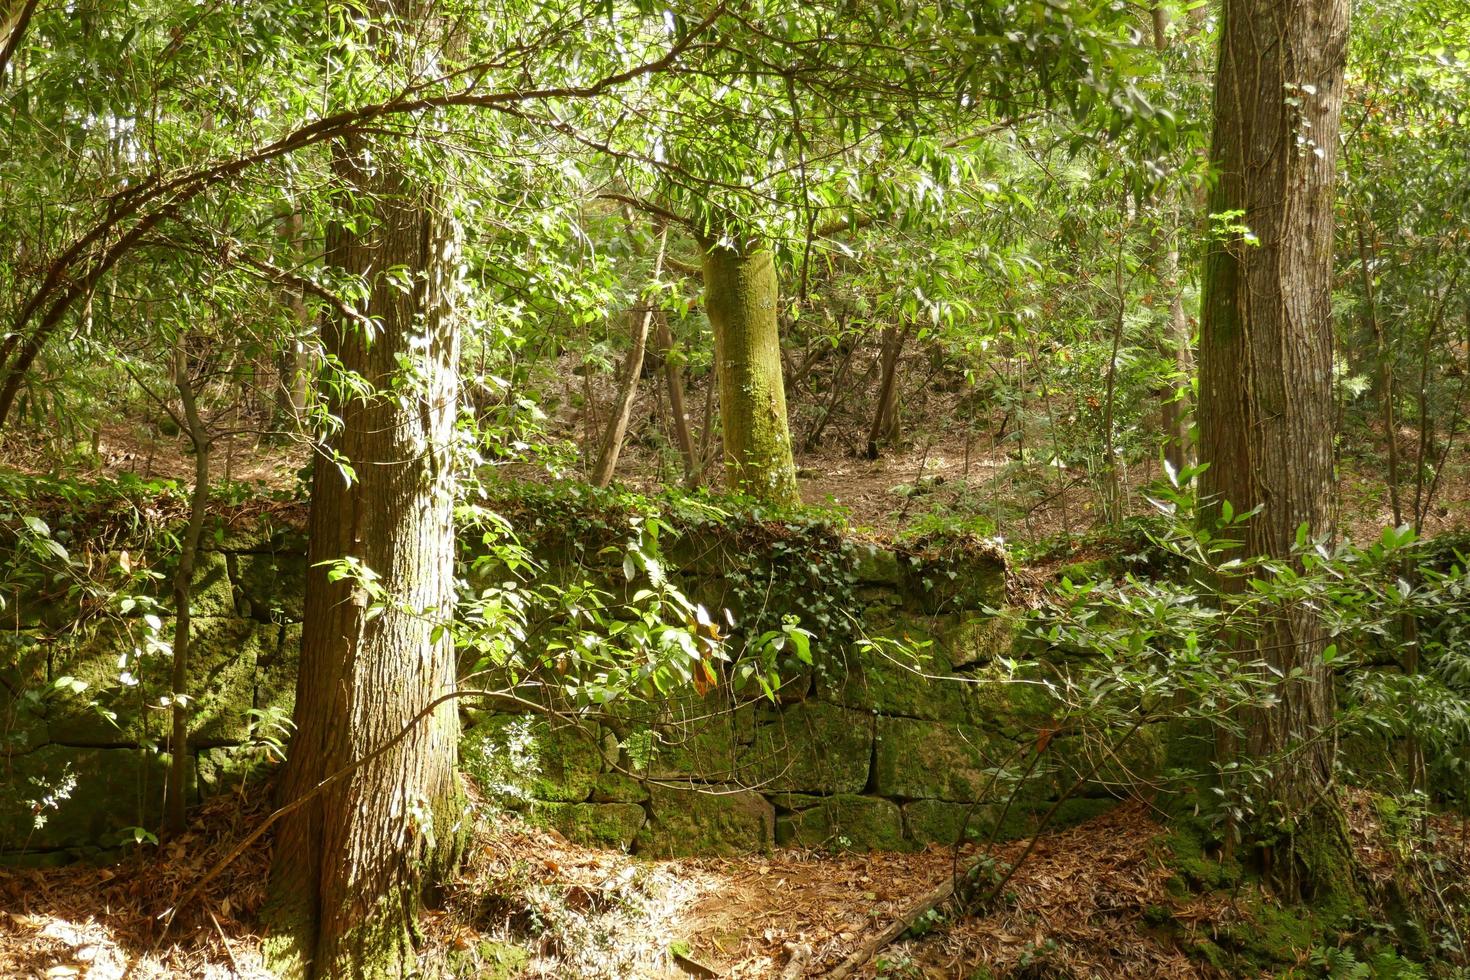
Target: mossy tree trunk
column 740, row 297
column 1266, row 412
column 351, row 866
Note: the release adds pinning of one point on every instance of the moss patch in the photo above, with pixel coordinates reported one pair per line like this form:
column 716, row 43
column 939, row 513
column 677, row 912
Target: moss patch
column 592, row 824
column 813, row 748
column 845, row 822
column 725, row 821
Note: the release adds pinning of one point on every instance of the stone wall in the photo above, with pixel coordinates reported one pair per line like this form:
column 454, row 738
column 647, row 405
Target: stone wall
column 83, row 720
column 869, row 747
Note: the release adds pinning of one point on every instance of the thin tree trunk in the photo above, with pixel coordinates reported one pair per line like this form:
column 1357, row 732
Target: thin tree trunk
column 1385, row 375
column 351, row 866
column 674, row 379
column 740, row 299
column 617, row 424
column 885, row 418
column 1266, row 382
column 183, row 588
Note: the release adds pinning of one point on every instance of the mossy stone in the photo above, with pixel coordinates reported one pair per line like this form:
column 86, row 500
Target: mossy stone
column 812, row 748
column 592, row 824
column 875, row 565
column 1111, row 766
column 693, row 737
column 977, row 639
column 272, row 585
column 937, row 822
column 614, row 787
column 94, row 794
column 223, row 655
column 916, row 759
column 565, row 760
column 1016, row 703
column 953, row 583
column 722, row 821
column 887, row 682
column 212, row 591
column 845, row 822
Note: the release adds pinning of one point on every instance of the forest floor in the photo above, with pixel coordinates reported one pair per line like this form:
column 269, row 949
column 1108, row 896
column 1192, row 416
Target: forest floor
column 1088, row 901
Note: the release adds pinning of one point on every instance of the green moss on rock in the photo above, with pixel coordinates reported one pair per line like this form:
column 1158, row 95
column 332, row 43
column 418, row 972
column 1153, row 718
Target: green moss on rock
column 592, row 824
column 561, row 762
column 812, row 748
column 896, row 682
column 85, row 796
column 846, row 822
column 272, row 585
column 614, row 787
column 722, row 821
column 916, row 759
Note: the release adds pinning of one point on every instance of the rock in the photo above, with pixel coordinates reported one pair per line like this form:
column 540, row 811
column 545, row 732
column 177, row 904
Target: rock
column 896, row 681
column 812, row 748
column 937, row 822
column 533, row 758
column 1122, row 767
column 212, row 592
column 954, row 583
column 691, row 736
column 938, row 761
column 223, row 656
column 272, row 585
column 724, row 822
column 1016, row 704
column 614, row 787
column 875, row 565
column 977, row 639
column 592, row 824
column 845, row 822
column 78, row 796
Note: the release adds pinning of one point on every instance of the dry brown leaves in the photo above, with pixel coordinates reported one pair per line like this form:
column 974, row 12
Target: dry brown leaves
column 103, row 922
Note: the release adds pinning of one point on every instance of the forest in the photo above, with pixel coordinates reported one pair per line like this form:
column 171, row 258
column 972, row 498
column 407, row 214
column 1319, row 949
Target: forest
column 734, row 488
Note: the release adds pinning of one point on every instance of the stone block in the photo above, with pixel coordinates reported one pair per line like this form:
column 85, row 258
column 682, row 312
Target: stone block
column 723, row 821
column 812, row 748
column 846, row 822
column 272, row 585
column 80, row 797
column 544, row 760
column 929, row 760
column 592, row 824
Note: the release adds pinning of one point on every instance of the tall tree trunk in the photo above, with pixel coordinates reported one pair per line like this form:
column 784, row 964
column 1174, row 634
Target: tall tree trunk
column 740, row 299
column 1266, row 377
column 351, row 865
column 617, row 424
column 674, row 378
column 183, row 593
column 1174, row 411
column 885, row 418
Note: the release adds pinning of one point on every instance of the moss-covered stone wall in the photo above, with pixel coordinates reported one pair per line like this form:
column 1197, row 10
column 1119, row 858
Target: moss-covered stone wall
column 84, row 717
column 874, row 745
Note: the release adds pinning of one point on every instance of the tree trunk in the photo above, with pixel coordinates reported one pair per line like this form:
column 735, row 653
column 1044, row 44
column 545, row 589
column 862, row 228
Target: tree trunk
column 740, row 299
column 294, row 360
column 885, row 418
column 674, row 378
column 178, row 768
column 1265, row 410
column 1174, row 411
column 350, row 866
column 617, row 424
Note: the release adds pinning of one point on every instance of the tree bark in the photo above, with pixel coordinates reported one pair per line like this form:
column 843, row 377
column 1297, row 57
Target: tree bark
column 740, row 299
column 885, row 418
column 617, row 424
column 674, row 378
column 351, row 866
column 1265, row 410
column 183, row 591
